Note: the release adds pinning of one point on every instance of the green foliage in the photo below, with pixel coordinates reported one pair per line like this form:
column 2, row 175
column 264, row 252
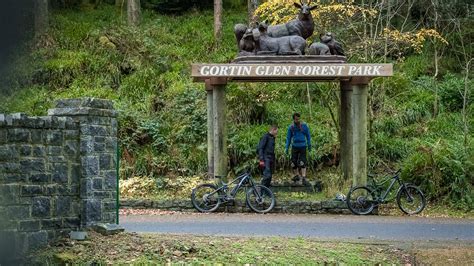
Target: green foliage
column 414, row 66
column 451, row 92
column 243, row 143
column 429, row 148
column 175, row 6
column 247, row 103
column 191, row 111
column 145, row 70
column 442, row 168
column 390, row 148
column 153, row 129
column 24, row 102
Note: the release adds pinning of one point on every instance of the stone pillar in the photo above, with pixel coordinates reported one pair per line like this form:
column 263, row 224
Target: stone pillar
column 353, row 119
column 98, row 149
column 219, row 126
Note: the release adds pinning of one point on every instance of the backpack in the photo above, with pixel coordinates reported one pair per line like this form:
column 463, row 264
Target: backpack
column 293, row 128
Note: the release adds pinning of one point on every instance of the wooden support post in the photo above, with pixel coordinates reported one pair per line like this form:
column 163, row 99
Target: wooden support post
column 346, row 123
column 359, row 131
column 219, row 127
column 210, row 133
column 353, row 119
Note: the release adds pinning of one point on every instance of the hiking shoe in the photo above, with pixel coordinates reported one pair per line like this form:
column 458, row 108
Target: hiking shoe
column 296, row 179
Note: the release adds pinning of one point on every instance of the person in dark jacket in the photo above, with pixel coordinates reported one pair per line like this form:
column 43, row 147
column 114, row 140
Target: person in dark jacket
column 266, row 154
column 299, row 138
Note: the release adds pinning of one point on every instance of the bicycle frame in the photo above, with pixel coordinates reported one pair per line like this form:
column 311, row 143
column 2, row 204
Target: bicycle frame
column 395, row 179
column 243, row 178
column 240, row 181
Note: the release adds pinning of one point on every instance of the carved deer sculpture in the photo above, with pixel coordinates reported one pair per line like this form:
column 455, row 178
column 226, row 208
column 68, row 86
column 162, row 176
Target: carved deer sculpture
column 286, row 45
column 302, row 26
column 247, row 44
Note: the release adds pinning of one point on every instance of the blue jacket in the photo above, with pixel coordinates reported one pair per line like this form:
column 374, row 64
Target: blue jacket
column 298, row 137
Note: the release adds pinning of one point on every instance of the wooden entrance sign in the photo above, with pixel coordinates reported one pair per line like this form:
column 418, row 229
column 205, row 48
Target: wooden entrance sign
column 353, row 79
column 281, row 69
column 289, row 72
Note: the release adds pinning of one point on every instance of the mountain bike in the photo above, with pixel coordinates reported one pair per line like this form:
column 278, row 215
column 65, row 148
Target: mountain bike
column 362, row 200
column 208, row 197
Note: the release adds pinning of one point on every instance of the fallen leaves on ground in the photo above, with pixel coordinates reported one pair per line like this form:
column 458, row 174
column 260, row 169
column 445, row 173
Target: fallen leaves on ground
column 146, row 212
column 132, row 248
column 444, row 256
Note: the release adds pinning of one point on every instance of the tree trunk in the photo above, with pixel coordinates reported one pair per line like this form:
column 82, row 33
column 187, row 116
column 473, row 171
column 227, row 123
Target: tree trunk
column 252, row 6
column 121, row 7
column 133, row 12
column 436, row 60
column 41, row 17
column 465, row 105
column 218, row 20
column 97, row 3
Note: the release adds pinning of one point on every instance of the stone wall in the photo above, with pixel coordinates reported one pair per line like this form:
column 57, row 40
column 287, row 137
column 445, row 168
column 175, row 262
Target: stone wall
column 57, row 172
column 281, row 206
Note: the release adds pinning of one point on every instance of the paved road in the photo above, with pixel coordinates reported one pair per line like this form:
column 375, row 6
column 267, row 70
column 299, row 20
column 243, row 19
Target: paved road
column 318, row 226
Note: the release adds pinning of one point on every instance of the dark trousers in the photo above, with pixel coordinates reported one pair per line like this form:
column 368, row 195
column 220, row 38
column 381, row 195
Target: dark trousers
column 298, row 157
column 267, row 171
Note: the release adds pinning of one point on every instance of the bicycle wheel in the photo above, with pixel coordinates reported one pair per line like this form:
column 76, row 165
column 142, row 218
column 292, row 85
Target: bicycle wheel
column 260, row 199
column 410, row 199
column 205, row 198
column 361, row 200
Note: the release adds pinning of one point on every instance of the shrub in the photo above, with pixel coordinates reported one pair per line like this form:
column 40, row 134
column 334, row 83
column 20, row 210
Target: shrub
column 442, row 169
column 451, row 92
column 389, row 147
column 176, row 6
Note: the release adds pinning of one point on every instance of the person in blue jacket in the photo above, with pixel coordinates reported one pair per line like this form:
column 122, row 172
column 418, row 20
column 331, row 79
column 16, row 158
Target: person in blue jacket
column 299, row 138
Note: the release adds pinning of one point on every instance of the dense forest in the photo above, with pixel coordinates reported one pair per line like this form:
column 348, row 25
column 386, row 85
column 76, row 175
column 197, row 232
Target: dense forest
column 138, row 54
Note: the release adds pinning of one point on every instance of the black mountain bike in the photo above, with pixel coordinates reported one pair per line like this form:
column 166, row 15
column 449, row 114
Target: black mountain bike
column 363, row 199
column 208, row 197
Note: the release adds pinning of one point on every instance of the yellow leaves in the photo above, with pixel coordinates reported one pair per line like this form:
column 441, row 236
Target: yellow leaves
column 282, row 11
column 329, row 16
column 349, row 20
column 430, row 33
column 139, row 186
column 414, row 40
column 277, row 11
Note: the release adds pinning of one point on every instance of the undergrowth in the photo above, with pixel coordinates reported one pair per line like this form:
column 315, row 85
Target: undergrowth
column 416, row 121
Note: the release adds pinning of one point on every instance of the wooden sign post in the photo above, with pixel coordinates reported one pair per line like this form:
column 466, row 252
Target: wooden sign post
column 353, row 79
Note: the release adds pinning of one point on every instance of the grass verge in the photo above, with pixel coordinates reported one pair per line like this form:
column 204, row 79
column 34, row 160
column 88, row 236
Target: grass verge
column 136, row 249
